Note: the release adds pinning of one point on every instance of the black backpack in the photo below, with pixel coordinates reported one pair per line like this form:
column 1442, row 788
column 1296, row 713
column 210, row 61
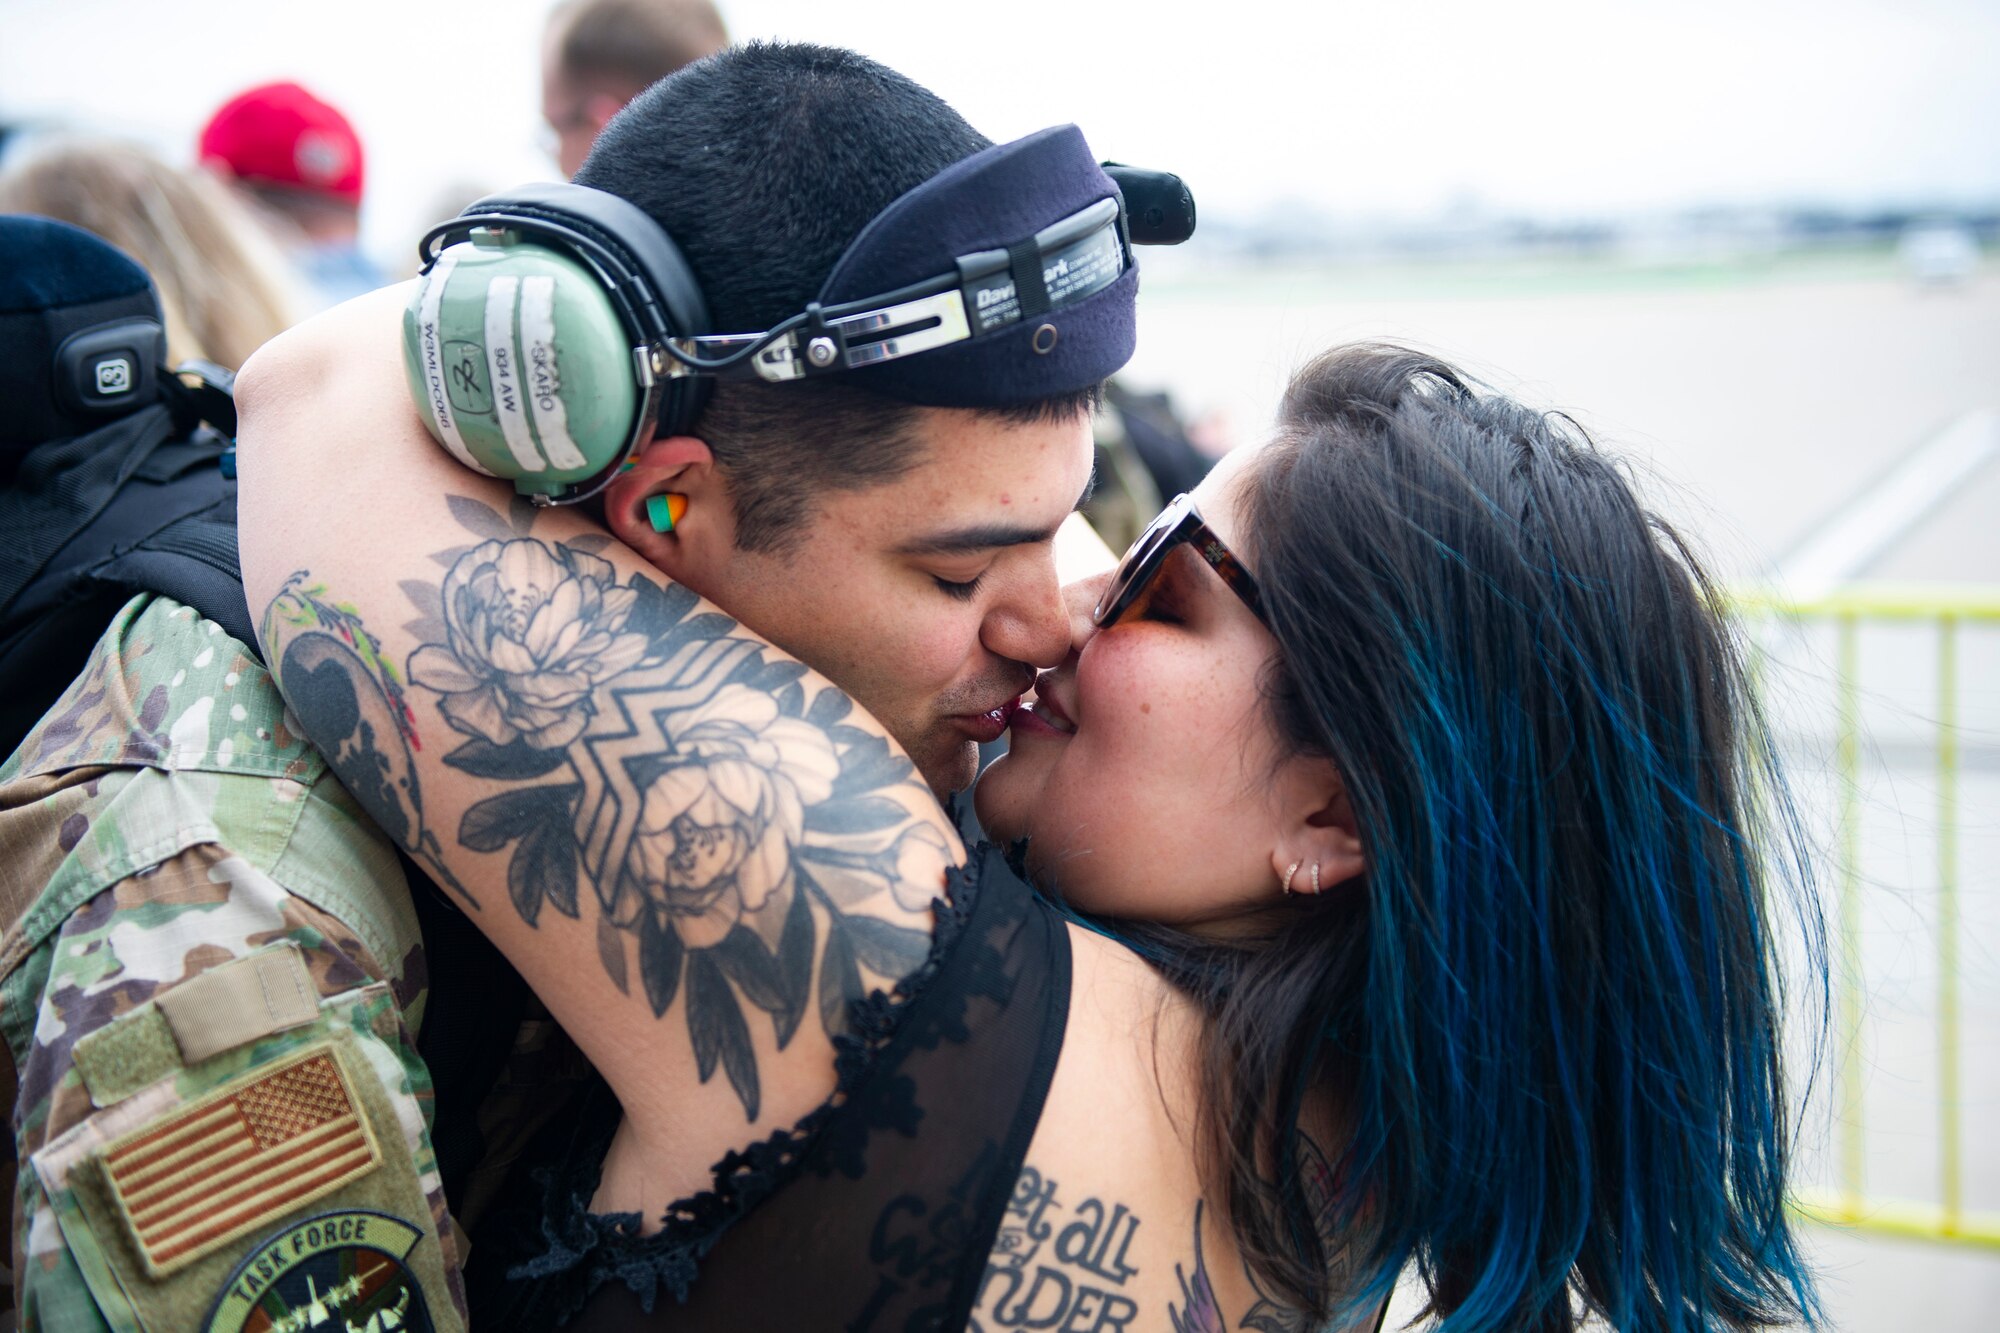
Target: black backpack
column 147, row 503
column 141, row 504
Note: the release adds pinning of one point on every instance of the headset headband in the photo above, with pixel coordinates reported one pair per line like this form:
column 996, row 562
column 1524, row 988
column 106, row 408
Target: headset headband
column 1019, row 232
column 1010, row 272
column 1085, row 252
column 1024, row 233
column 641, row 268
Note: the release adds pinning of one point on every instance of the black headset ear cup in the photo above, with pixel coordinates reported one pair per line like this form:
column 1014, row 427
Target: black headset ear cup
column 659, row 288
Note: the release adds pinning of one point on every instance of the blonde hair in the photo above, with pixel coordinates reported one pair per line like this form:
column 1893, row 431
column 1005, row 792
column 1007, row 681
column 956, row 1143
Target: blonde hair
column 224, row 289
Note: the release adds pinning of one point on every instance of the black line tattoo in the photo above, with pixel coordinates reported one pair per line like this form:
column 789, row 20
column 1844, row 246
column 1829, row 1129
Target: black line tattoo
column 1316, row 1179
column 729, row 828
column 1044, row 1273
column 351, row 701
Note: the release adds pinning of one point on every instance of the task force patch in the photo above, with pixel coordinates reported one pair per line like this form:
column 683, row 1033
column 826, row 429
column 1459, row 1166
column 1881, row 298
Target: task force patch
column 340, row 1272
column 239, row 1158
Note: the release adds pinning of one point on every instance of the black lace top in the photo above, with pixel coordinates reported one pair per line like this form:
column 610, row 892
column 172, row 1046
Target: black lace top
column 876, row 1212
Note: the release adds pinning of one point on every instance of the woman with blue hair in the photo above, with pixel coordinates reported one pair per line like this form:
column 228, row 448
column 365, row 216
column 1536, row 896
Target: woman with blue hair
column 1529, row 988
column 1423, row 871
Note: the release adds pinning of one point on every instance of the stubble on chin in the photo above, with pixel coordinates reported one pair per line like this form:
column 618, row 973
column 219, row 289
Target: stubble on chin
column 948, row 763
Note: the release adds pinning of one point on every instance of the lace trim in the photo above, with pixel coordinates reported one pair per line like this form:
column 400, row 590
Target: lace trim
column 596, row 1247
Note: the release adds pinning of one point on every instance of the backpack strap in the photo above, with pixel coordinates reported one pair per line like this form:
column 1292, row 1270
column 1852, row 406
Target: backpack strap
column 62, row 489
column 194, row 561
column 143, row 506
column 138, row 506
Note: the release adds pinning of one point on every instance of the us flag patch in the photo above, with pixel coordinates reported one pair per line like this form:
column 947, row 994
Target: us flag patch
column 239, row 1158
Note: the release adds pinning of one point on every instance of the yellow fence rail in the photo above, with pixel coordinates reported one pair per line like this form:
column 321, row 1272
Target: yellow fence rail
column 1947, row 608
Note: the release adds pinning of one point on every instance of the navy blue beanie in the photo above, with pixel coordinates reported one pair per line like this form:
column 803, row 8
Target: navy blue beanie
column 992, row 201
column 56, row 281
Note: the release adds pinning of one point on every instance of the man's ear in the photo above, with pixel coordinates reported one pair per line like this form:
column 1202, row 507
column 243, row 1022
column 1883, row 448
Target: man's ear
column 705, row 532
column 1321, row 845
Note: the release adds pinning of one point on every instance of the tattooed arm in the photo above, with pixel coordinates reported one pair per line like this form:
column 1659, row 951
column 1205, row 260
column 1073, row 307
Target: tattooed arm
column 693, row 848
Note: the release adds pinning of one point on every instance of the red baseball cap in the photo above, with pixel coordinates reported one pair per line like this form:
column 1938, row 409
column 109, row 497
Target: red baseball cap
column 280, row 134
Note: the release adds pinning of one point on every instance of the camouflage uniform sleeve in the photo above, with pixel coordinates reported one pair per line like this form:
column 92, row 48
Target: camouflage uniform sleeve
column 209, row 985
column 106, row 999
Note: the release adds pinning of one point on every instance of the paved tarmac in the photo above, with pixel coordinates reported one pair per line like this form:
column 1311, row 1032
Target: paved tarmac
column 1758, row 397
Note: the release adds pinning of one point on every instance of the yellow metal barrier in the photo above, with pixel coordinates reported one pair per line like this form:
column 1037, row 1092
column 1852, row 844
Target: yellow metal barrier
column 1947, row 607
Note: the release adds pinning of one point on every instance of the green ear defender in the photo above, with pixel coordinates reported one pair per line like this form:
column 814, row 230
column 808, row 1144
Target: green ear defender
column 535, row 343
column 508, row 345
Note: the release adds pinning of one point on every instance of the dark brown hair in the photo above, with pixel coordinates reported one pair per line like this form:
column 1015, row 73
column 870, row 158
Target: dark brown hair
column 782, row 446
column 763, row 164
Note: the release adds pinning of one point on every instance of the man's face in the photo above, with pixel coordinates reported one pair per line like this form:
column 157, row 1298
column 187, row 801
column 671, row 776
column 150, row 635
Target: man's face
column 576, row 112
column 930, row 599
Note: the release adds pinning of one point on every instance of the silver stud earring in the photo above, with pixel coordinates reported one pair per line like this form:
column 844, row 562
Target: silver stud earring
column 1288, row 877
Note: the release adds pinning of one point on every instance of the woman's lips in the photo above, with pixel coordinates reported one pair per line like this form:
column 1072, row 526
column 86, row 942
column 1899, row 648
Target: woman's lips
column 1043, row 717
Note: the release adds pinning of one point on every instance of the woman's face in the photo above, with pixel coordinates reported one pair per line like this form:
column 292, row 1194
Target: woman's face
column 1147, row 776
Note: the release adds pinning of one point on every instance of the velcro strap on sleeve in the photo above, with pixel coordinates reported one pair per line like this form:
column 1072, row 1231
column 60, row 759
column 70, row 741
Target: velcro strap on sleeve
column 239, row 1002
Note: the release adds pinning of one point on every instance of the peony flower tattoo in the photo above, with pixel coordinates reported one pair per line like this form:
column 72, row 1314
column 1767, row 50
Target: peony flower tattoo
column 531, row 632
column 718, row 828
column 740, row 834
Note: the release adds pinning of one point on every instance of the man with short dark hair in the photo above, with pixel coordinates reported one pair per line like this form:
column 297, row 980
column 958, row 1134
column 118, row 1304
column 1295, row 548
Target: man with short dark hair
column 837, row 138
column 904, row 550
column 597, row 55
column 890, row 521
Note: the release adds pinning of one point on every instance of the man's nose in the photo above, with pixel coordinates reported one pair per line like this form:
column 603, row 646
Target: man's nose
column 1033, row 625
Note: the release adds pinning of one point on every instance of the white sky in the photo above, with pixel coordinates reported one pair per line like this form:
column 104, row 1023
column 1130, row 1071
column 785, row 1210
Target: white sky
column 1558, row 108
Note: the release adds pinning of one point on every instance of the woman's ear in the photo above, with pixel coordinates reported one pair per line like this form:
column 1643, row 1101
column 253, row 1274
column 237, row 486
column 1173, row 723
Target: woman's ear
column 679, row 535
column 1320, row 846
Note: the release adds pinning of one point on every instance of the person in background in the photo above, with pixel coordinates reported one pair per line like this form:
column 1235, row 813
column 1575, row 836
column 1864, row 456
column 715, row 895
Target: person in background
column 300, row 161
column 597, row 55
column 1145, row 455
column 224, row 289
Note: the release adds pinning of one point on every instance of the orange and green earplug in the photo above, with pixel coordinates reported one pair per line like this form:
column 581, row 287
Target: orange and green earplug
column 665, row 510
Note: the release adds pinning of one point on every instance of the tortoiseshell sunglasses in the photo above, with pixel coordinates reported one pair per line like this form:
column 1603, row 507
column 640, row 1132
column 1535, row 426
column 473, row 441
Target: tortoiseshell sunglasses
column 1179, row 522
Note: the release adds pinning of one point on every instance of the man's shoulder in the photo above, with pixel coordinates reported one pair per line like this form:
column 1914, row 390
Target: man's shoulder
column 166, row 688
column 195, row 911
column 173, row 736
